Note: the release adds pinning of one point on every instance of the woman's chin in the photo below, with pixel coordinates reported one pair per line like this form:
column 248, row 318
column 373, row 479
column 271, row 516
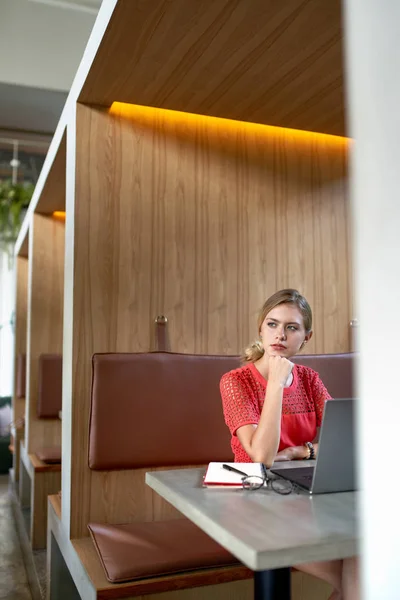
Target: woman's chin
column 276, row 352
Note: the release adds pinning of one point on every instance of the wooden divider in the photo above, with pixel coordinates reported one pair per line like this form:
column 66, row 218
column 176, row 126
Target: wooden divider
column 45, row 320
column 200, row 220
column 18, row 401
column 21, row 274
column 39, row 253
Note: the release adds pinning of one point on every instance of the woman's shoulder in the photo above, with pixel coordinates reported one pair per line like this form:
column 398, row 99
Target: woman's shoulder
column 305, row 370
column 239, row 385
column 307, row 373
column 241, row 374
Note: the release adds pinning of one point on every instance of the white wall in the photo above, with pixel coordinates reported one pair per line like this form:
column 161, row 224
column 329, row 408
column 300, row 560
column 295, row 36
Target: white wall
column 41, row 45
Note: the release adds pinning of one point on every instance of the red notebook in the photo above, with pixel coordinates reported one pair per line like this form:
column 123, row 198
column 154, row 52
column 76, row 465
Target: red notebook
column 216, row 476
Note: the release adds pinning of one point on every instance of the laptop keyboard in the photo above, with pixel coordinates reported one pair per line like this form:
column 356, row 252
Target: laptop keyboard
column 303, row 476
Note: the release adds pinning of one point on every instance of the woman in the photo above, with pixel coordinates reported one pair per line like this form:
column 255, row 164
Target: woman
column 274, row 408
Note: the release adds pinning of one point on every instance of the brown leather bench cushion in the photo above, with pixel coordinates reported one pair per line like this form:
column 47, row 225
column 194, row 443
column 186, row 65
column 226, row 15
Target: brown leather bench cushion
column 335, row 370
column 20, row 383
column 50, row 456
column 50, row 386
column 157, row 409
column 139, row 550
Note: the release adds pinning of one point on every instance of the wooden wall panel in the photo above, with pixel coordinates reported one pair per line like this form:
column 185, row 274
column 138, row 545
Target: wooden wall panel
column 200, row 220
column 45, row 320
column 21, row 268
column 124, row 497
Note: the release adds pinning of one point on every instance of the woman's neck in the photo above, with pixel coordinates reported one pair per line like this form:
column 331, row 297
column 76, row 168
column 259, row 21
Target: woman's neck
column 262, row 366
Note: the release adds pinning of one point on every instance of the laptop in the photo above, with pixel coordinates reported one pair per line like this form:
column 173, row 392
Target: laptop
column 334, row 470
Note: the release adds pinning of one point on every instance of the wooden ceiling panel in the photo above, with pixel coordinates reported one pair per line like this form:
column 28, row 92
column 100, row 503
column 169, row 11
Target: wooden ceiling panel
column 23, row 249
column 277, row 63
column 52, row 197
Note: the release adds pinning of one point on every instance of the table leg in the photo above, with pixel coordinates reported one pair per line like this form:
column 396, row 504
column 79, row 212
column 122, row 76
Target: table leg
column 272, row 585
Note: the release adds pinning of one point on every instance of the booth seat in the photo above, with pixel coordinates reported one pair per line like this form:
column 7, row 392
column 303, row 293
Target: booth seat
column 49, row 401
column 40, row 470
column 166, row 413
column 20, row 381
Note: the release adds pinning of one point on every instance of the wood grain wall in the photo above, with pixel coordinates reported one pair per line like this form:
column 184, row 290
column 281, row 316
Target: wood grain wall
column 45, row 320
column 21, row 273
column 200, row 220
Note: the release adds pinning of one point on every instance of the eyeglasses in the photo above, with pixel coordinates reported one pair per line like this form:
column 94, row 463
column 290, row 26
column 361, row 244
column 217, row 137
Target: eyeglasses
column 254, row 482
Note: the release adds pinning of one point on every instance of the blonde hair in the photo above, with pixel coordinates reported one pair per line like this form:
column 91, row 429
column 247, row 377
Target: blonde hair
column 256, row 350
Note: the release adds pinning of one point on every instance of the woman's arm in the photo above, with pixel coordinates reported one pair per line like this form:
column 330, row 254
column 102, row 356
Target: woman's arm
column 297, row 452
column 292, row 453
column 320, row 395
column 261, row 442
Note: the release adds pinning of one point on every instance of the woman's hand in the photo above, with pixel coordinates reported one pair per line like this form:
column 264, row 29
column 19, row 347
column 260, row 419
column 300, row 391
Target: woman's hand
column 279, row 369
column 292, row 453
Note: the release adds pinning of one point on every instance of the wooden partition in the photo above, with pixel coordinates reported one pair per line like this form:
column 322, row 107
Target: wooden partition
column 198, row 219
column 18, row 399
column 45, row 286
column 45, row 319
column 21, row 274
column 44, row 336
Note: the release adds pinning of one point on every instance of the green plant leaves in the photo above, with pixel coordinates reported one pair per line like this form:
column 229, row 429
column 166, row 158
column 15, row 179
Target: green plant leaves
column 14, row 198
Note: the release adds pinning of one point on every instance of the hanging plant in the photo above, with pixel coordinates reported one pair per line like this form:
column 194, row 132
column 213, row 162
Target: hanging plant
column 14, row 200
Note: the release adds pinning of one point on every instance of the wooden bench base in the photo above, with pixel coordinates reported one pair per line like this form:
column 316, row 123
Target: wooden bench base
column 37, row 480
column 81, row 560
column 74, row 572
column 18, row 435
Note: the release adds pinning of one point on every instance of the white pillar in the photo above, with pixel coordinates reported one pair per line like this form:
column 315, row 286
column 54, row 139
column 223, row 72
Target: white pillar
column 372, row 44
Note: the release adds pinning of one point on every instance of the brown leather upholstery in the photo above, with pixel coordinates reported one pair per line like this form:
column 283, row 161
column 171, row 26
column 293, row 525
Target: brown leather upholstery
column 20, row 383
column 50, row 386
column 139, row 550
column 335, row 370
column 161, row 409
column 157, row 409
column 50, row 455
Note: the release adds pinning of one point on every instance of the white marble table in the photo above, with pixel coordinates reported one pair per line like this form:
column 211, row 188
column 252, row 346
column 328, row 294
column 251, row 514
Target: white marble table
column 263, row 529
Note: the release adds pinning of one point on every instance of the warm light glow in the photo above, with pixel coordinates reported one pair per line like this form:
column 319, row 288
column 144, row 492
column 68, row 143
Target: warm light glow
column 147, row 115
column 59, row 214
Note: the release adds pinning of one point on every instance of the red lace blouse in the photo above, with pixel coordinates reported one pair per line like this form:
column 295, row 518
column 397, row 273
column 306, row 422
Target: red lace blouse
column 243, row 393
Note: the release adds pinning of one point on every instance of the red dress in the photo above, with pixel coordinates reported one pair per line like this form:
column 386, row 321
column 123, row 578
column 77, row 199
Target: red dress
column 243, row 394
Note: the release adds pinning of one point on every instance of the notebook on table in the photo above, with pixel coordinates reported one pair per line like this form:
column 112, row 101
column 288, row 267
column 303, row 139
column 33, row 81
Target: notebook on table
column 217, row 476
column 334, row 469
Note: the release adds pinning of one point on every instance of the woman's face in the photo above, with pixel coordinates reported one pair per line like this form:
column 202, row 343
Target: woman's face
column 282, row 331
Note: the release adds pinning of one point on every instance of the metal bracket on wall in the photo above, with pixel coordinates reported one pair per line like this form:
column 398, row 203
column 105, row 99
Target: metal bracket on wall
column 161, row 336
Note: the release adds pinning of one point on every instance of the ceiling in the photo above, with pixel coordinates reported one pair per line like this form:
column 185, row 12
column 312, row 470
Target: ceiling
column 84, row 5
column 27, row 109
